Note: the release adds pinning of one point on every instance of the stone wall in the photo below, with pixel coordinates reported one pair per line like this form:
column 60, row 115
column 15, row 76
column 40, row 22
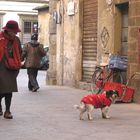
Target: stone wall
column 110, row 19
column 105, row 31
column 66, row 48
column 51, row 74
column 134, row 66
column 43, row 19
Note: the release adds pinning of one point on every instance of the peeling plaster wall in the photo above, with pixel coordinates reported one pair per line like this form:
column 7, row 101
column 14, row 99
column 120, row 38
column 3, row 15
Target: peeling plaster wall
column 65, row 45
column 105, row 31
column 43, row 18
column 68, row 47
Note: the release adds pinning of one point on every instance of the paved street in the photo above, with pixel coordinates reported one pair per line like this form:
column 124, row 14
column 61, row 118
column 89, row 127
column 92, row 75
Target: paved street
column 49, row 115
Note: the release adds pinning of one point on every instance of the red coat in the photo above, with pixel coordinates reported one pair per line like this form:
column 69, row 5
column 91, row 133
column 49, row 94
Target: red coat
column 97, row 100
column 8, row 81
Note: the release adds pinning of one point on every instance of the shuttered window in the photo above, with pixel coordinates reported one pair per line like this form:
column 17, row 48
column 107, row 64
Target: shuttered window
column 89, row 42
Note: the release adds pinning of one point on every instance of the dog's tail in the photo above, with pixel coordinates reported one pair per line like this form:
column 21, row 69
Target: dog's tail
column 76, row 106
column 80, row 107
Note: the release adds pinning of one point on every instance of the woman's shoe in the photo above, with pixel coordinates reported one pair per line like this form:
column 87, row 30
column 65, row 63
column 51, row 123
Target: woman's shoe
column 8, row 115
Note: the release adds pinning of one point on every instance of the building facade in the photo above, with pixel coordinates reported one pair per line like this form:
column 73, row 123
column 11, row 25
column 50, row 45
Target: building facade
column 83, row 33
column 21, row 11
column 43, row 24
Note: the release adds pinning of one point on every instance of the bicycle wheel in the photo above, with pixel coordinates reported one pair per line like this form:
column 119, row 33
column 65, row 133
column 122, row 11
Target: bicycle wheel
column 97, row 81
column 116, row 77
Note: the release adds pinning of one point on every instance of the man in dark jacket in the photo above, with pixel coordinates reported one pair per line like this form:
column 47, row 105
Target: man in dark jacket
column 32, row 53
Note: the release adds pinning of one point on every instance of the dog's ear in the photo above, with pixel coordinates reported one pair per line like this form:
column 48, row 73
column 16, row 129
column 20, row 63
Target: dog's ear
column 109, row 93
column 116, row 93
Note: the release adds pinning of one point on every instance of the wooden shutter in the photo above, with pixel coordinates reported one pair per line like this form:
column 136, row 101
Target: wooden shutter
column 89, row 42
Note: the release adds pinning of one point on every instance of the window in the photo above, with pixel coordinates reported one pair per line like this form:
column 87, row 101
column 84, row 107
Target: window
column 35, row 27
column 30, row 27
column 27, row 27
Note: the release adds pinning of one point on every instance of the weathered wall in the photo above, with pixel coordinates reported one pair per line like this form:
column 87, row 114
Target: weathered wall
column 51, row 74
column 134, row 24
column 65, row 48
column 43, row 19
column 68, row 43
column 110, row 19
column 105, row 31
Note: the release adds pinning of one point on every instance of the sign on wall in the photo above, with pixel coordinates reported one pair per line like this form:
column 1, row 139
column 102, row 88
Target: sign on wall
column 70, row 8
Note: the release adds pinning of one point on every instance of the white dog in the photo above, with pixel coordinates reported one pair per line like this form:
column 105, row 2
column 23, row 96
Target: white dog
column 102, row 101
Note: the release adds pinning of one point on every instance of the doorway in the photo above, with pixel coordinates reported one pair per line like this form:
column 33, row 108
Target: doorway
column 122, row 32
column 89, row 39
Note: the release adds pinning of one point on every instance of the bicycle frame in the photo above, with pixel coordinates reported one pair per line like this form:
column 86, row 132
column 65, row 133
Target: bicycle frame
column 101, row 75
column 105, row 73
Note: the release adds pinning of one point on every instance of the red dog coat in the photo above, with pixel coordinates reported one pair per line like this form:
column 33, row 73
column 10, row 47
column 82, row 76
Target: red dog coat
column 97, row 100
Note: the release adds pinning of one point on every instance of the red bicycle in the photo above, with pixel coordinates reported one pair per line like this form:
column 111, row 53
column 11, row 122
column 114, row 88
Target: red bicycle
column 103, row 74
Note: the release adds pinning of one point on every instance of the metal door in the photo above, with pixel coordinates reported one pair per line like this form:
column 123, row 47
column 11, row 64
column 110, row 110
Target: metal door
column 89, row 42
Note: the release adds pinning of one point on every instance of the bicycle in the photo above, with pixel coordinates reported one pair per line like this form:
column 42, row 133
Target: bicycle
column 103, row 74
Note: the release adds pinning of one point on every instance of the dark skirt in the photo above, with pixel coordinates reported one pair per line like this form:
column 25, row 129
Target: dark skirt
column 8, row 79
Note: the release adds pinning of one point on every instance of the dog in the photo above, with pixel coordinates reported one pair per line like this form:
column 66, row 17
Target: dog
column 102, row 101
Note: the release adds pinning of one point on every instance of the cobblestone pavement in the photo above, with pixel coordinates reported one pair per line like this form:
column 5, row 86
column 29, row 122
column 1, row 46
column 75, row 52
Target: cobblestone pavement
column 49, row 115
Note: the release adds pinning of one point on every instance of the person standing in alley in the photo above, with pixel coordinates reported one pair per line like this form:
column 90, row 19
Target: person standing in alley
column 32, row 53
column 10, row 63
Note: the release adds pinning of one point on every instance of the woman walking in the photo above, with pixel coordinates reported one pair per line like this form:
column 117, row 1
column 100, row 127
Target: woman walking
column 10, row 53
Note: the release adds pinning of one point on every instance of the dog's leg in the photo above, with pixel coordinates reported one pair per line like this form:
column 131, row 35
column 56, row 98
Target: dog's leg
column 81, row 114
column 104, row 112
column 89, row 108
column 82, row 109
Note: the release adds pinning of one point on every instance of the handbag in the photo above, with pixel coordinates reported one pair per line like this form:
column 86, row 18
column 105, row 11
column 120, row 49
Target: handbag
column 11, row 63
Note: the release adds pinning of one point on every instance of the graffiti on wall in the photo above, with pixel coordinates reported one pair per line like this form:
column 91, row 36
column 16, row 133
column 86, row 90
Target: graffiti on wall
column 71, row 55
column 68, row 73
column 104, row 38
column 109, row 2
